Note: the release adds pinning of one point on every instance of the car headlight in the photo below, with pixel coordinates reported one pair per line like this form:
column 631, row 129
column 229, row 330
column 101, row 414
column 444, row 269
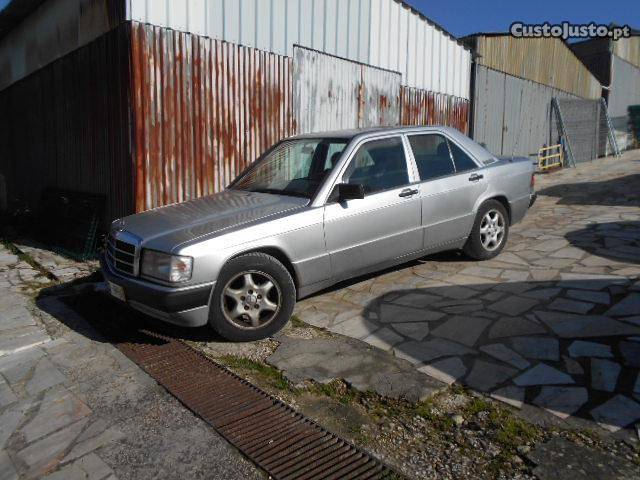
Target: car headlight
column 167, row 267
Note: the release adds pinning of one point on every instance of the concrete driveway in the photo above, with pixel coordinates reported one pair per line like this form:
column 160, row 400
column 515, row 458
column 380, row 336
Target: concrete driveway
column 554, row 321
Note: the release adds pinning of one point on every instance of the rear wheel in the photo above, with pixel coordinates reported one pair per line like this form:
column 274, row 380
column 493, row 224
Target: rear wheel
column 489, row 233
column 253, row 299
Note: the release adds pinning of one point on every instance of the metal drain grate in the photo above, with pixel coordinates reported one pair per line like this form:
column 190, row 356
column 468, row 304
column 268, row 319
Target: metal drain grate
column 270, row 433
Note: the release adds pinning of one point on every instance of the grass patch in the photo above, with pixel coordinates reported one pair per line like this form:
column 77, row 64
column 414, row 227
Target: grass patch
column 338, row 390
column 477, row 405
column 296, row 322
column 272, row 376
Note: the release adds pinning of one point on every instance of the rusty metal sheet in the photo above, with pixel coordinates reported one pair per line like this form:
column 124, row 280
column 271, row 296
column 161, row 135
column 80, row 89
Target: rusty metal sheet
column 421, row 107
column 380, row 105
column 203, row 110
column 67, row 126
column 333, row 93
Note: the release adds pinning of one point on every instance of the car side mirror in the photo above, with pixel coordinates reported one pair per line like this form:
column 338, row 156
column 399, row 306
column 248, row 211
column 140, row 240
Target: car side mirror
column 348, row 191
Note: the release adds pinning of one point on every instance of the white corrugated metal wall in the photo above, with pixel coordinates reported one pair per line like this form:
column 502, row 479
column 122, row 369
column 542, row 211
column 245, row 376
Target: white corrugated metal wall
column 331, row 93
column 383, row 33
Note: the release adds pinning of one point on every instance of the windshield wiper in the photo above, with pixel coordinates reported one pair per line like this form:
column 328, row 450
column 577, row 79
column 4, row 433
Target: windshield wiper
column 276, row 191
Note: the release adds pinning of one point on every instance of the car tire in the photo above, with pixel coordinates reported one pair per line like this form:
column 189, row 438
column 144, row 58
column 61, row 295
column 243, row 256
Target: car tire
column 243, row 306
column 489, row 233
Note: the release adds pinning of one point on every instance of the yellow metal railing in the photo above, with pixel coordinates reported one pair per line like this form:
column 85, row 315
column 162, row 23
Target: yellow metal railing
column 550, row 157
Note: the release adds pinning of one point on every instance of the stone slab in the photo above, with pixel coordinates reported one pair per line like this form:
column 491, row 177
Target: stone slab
column 7, row 468
column 543, row 374
column 486, row 376
column 412, row 330
column 559, row 458
column 514, row 326
column 589, row 296
column 505, row 354
column 390, row 313
column 567, row 325
column 58, row 409
column 616, row 413
column 510, row 395
column 513, row 305
column 356, row 327
column 540, row 348
column 604, row 374
column 571, row 306
column 43, row 456
column 366, row 368
column 630, row 305
column 465, row 330
column 562, row 401
column 448, row 370
column 580, row 348
column 385, row 338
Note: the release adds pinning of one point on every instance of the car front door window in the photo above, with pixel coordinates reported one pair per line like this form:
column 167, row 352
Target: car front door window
column 378, row 165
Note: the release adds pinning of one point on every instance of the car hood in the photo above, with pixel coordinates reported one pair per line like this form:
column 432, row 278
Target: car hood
column 167, row 227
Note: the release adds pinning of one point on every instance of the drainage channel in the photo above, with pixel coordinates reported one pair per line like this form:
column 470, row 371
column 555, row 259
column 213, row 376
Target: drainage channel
column 275, row 437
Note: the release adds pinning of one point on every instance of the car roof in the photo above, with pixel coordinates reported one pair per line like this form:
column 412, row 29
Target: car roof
column 479, row 152
column 362, row 132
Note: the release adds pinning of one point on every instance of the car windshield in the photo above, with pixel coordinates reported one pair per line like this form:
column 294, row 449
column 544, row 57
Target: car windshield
column 294, row 167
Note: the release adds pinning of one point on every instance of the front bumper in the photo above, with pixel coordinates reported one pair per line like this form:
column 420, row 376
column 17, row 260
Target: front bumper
column 184, row 306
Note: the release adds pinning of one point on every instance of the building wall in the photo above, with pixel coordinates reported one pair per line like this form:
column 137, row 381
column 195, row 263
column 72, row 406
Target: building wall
column 55, row 29
column 628, row 49
column 428, row 58
column 67, row 126
column 382, row 33
column 547, row 61
column 512, row 116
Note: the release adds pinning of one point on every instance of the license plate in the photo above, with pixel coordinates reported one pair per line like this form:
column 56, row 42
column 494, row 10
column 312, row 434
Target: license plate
column 117, row 291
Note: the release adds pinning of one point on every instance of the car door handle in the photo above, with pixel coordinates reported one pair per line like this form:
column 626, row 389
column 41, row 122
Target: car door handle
column 408, row 192
column 475, row 177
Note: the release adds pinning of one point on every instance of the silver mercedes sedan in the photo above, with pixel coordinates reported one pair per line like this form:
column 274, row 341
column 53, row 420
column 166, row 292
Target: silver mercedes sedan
column 312, row 211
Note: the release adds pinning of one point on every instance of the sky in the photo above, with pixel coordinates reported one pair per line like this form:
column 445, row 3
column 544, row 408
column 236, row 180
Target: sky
column 462, row 17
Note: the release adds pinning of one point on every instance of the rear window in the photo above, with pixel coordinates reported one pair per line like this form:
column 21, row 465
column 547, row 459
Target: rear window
column 432, row 155
column 463, row 162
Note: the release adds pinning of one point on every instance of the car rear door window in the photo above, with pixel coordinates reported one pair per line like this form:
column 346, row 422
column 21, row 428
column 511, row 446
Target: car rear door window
column 378, row 165
column 463, row 162
column 432, row 155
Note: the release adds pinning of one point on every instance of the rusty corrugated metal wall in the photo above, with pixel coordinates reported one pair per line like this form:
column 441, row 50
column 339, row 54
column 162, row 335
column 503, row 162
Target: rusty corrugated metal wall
column 203, row 110
column 420, row 107
column 333, row 93
column 67, row 125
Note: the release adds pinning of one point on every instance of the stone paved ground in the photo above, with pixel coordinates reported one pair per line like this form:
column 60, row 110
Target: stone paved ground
column 552, row 322
column 73, row 407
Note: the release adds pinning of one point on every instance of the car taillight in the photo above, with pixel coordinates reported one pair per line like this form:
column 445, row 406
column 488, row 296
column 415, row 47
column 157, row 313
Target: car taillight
column 533, row 180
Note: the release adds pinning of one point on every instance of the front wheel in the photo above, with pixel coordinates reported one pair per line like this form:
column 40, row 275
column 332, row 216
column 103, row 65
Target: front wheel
column 253, row 298
column 489, row 233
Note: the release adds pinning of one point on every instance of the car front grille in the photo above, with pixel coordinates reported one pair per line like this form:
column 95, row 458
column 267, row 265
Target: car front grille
column 122, row 255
